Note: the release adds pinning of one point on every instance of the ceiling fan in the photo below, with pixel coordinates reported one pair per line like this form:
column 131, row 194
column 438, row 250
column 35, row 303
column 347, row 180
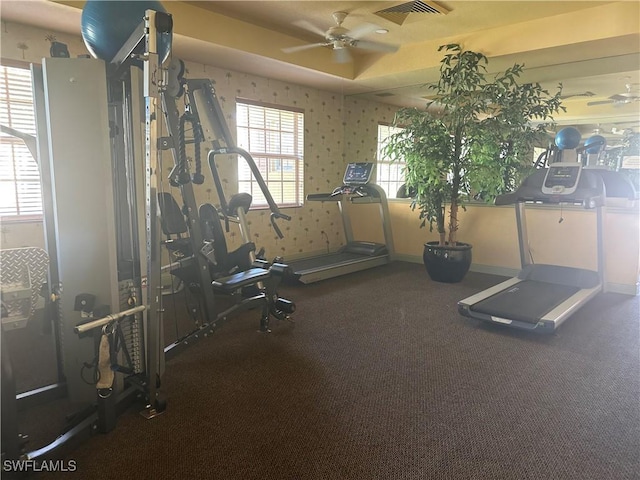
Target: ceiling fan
column 340, row 39
column 619, row 99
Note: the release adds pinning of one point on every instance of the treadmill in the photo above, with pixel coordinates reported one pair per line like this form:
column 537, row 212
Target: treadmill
column 354, row 255
column 542, row 296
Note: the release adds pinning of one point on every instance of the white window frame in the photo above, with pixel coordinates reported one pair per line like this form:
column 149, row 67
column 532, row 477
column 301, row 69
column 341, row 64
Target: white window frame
column 274, row 136
column 537, row 151
column 389, row 172
column 20, row 185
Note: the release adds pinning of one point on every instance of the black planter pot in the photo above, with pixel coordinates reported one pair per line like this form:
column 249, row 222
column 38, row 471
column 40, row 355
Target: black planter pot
column 445, row 263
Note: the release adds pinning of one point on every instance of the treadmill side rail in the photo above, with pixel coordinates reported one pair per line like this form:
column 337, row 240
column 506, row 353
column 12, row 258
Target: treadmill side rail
column 327, row 269
column 478, row 297
column 567, row 308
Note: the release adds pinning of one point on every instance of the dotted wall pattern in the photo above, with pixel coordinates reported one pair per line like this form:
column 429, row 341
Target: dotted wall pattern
column 338, row 129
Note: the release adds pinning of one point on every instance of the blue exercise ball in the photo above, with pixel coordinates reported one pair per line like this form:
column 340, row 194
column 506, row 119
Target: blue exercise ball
column 568, row 138
column 107, row 25
column 594, row 144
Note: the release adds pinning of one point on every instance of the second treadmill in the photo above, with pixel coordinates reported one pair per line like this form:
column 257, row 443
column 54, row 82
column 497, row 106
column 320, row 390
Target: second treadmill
column 355, row 255
column 542, row 296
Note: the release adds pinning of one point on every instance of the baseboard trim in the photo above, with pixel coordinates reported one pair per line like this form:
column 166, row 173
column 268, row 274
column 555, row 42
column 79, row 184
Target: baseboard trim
column 475, row 267
column 494, row 270
column 622, row 288
column 401, row 257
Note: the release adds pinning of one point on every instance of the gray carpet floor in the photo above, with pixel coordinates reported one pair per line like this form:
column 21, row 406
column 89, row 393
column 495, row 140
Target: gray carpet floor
column 380, row 378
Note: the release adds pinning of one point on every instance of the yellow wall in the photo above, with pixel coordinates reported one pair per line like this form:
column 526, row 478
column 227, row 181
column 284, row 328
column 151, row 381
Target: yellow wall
column 492, row 232
column 341, row 129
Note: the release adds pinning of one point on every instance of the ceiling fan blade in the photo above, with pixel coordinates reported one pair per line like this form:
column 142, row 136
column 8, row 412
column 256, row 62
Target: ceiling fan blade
column 601, row 102
column 572, row 95
column 341, row 55
column 378, row 47
column 621, row 97
column 306, row 25
column 361, row 30
column 303, row 47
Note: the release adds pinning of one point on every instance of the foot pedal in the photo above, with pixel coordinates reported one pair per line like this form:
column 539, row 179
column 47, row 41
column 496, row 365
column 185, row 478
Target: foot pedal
column 284, row 305
column 158, row 407
column 151, row 412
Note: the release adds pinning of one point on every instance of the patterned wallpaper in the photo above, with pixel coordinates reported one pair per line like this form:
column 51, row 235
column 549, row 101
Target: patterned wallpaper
column 314, row 226
column 338, row 130
column 361, row 131
column 30, row 44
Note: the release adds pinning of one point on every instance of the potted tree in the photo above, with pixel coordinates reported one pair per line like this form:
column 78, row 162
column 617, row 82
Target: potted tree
column 476, row 135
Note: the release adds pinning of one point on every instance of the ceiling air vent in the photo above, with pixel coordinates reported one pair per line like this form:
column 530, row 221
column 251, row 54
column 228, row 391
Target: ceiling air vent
column 399, row 13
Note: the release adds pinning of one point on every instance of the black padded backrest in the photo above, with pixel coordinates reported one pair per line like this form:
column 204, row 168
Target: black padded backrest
column 239, row 200
column 212, row 230
column 171, row 217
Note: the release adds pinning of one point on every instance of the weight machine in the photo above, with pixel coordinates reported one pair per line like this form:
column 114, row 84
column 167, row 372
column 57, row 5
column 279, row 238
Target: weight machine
column 204, row 113
column 103, row 238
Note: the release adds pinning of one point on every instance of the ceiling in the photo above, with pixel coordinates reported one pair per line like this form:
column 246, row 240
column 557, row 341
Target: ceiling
column 591, row 47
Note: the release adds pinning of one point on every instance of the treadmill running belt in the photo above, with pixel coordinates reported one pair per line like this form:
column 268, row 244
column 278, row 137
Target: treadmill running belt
column 526, row 301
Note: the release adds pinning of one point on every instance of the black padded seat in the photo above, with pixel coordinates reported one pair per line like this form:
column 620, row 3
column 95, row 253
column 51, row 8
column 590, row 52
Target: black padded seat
column 238, row 280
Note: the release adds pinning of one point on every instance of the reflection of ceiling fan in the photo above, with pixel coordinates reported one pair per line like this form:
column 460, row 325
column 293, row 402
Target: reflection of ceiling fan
column 340, row 39
column 584, row 94
column 620, row 98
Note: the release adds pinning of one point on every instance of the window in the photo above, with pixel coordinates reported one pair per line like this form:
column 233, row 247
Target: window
column 390, row 174
column 537, row 155
column 274, row 137
column 20, row 192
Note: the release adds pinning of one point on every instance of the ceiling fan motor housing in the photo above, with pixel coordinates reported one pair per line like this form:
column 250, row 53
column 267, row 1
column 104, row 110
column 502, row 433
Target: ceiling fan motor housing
column 336, row 32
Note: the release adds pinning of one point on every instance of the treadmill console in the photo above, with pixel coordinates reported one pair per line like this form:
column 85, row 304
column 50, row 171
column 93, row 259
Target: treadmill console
column 561, row 178
column 358, row 173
